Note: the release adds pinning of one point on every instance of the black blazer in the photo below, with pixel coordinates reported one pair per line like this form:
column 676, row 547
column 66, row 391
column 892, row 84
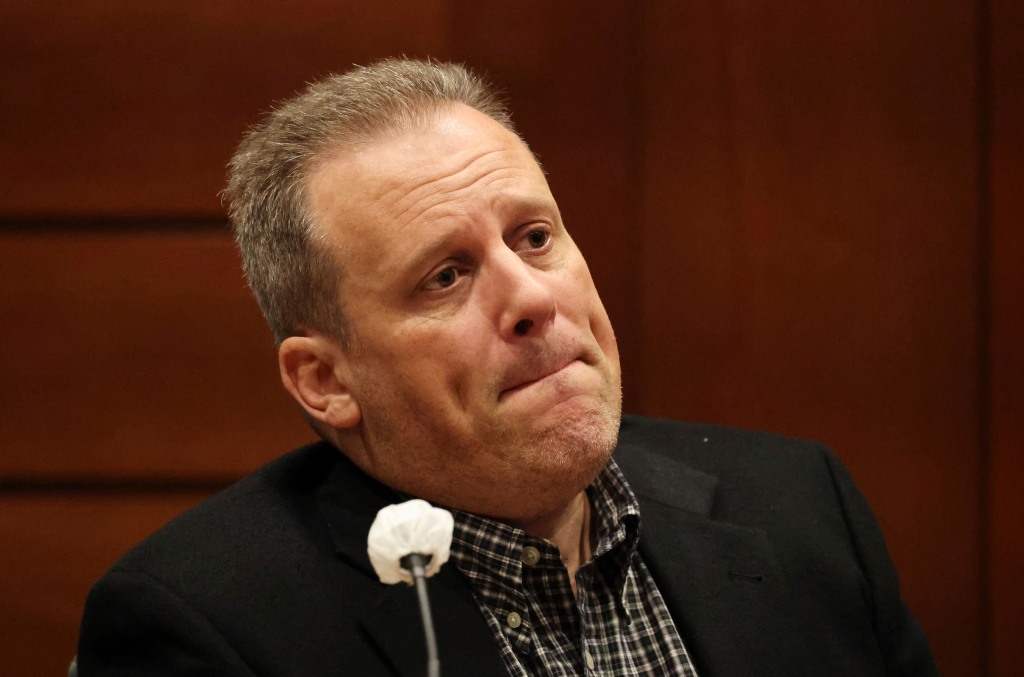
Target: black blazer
column 768, row 557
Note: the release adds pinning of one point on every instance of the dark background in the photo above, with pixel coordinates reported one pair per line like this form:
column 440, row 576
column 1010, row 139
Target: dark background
column 802, row 216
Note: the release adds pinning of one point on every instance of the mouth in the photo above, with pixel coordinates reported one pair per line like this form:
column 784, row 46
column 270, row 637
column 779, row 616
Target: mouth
column 522, row 383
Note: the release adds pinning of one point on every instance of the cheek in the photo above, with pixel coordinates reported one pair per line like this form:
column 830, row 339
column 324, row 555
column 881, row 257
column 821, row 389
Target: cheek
column 590, row 306
column 581, row 289
column 601, row 327
column 438, row 361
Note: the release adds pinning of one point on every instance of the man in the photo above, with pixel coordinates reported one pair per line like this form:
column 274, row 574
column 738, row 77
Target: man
column 442, row 334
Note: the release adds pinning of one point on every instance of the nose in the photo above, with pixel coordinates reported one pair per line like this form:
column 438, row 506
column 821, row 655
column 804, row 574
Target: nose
column 525, row 301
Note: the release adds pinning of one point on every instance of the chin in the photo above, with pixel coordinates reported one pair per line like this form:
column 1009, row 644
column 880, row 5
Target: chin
column 549, row 464
column 570, row 454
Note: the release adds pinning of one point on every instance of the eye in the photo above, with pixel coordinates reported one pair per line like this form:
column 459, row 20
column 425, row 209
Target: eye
column 537, row 238
column 442, row 279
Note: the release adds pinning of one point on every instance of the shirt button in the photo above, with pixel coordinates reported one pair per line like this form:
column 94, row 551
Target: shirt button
column 530, row 555
column 589, row 659
column 514, row 620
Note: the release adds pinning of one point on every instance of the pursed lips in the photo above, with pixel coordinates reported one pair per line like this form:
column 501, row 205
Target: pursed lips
column 524, row 381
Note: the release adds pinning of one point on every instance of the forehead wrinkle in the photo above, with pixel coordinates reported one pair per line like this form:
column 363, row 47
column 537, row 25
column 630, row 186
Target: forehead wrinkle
column 437, row 197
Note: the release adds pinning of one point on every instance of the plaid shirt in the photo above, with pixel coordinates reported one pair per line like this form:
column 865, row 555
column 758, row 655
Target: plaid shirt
column 618, row 625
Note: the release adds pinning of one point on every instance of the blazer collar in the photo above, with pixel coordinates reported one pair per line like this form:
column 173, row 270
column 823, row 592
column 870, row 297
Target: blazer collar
column 721, row 582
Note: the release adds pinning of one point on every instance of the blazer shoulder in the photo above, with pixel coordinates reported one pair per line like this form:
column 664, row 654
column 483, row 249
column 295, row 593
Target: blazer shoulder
column 276, row 499
column 249, row 577
column 712, row 448
column 745, row 471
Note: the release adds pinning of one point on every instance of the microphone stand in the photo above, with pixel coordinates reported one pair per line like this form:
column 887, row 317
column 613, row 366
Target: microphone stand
column 415, row 563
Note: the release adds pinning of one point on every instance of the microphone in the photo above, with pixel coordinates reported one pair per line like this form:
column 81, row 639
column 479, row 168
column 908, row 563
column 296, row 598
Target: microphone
column 408, row 543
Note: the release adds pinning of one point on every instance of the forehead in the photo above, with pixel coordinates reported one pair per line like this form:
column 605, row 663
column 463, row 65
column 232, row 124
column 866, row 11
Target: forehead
column 457, row 155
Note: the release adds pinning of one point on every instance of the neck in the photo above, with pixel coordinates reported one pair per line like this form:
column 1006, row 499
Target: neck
column 569, row 530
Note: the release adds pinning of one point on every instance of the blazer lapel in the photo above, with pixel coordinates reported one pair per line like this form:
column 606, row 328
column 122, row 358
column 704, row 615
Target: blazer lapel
column 466, row 646
column 721, row 582
column 350, row 501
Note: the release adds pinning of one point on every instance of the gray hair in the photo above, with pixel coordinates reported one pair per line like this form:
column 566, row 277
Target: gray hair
column 290, row 268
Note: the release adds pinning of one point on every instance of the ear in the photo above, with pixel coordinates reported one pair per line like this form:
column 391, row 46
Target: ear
column 313, row 372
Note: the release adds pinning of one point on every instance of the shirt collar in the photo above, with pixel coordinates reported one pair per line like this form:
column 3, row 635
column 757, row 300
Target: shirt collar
column 487, row 548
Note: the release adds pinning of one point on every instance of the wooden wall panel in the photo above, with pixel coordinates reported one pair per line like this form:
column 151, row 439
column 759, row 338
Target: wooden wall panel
column 125, row 107
column 135, row 354
column 810, row 249
column 1007, row 339
column 54, row 549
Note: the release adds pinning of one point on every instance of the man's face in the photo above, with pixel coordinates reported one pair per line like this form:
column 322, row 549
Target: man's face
column 481, row 358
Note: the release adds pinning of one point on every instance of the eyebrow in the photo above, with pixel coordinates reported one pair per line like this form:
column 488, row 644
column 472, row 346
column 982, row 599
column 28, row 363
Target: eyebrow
column 523, row 205
column 430, row 251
